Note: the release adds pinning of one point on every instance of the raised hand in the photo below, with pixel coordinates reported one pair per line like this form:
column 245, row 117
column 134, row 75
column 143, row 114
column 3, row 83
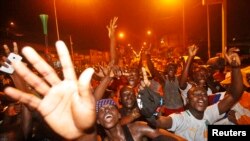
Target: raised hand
column 192, row 50
column 112, row 26
column 145, row 82
column 16, row 79
column 111, row 29
column 101, row 71
column 65, row 103
column 5, row 60
column 232, row 57
column 7, row 50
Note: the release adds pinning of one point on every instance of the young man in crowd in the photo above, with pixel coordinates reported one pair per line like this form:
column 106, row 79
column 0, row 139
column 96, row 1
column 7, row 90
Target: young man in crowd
column 192, row 123
column 109, row 117
column 198, row 77
column 169, row 82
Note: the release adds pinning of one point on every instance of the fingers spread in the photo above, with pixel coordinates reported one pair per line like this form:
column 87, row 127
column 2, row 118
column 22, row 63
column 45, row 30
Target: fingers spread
column 68, row 68
column 29, row 99
column 31, row 78
column 41, row 65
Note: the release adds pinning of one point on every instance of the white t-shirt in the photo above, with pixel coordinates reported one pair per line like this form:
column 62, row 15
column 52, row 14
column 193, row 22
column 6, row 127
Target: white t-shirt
column 185, row 91
column 186, row 125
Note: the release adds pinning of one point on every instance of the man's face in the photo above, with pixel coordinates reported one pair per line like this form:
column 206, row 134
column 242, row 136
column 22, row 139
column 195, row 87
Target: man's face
column 128, row 98
column 108, row 116
column 133, row 78
column 198, row 99
column 171, row 70
column 200, row 76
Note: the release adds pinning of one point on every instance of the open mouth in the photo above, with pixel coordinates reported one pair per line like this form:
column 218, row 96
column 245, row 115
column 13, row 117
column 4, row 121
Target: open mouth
column 129, row 101
column 108, row 117
column 131, row 81
column 201, row 103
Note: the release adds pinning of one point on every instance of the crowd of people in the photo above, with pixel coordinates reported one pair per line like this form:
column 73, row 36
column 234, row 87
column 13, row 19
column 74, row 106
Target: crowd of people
column 133, row 102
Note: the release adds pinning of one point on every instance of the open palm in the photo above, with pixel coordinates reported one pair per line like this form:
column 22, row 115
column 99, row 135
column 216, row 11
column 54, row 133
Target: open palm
column 68, row 105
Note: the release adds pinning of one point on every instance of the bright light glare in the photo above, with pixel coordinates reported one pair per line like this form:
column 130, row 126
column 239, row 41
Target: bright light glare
column 149, row 32
column 170, row 2
column 121, row 35
column 12, row 24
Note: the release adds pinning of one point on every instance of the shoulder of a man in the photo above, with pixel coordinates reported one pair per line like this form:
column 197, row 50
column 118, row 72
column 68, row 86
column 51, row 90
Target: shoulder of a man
column 178, row 119
column 212, row 114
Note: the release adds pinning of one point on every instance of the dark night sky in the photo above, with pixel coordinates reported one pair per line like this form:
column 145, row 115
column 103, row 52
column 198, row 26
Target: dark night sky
column 86, row 20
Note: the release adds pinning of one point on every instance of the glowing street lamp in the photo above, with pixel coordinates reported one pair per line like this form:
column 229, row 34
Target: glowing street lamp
column 12, row 24
column 121, row 35
column 149, row 32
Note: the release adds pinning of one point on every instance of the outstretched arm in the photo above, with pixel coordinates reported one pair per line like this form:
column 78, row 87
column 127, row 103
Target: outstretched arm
column 149, row 132
column 156, row 122
column 236, row 89
column 65, row 102
column 153, row 71
column 192, row 52
column 100, row 89
column 111, row 29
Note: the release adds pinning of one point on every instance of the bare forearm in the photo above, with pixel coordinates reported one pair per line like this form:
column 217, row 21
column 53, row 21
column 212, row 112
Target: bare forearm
column 113, row 50
column 237, row 83
column 164, row 122
column 184, row 75
column 153, row 71
column 100, row 90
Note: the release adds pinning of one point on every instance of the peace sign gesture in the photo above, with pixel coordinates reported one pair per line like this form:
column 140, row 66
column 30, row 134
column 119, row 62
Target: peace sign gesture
column 12, row 56
column 7, row 50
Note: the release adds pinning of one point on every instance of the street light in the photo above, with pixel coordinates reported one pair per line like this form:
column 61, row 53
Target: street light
column 11, row 30
column 149, row 32
column 12, row 24
column 121, row 35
